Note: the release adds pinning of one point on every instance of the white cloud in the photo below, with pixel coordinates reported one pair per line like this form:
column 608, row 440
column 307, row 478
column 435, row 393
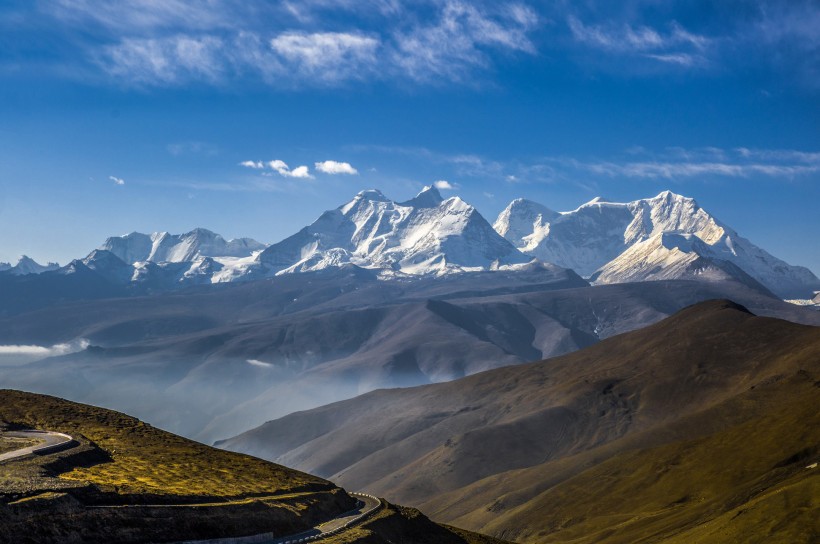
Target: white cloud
column 130, row 15
column 670, row 170
column 257, row 362
column 252, row 164
column 284, row 170
column 458, row 41
column 444, row 185
column 626, row 37
column 300, row 172
column 172, row 44
column 682, row 59
column 24, row 353
column 280, row 166
column 334, row 167
column 165, row 61
column 327, row 56
column 676, row 47
column 116, row 180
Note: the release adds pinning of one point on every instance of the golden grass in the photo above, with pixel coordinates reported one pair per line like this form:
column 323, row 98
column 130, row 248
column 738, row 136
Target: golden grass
column 146, row 460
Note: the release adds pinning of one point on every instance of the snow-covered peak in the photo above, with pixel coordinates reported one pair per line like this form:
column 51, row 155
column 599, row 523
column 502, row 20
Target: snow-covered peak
column 428, row 197
column 423, row 235
column 595, row 237
column 669, row 196
column 521, row 218
column 27, row 265
column 162, row 247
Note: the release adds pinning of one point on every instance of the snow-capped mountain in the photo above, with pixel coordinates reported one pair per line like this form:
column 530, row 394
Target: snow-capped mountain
column 521, row 219
column 668, row 236
column 424, row 235
column 176, row 248
column 27, row 265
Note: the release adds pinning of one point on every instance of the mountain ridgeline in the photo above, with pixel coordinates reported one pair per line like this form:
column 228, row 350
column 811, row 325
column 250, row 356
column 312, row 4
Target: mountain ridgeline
column 665, row 237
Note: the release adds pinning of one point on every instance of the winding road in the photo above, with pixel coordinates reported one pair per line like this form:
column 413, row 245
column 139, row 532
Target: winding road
column 51, row 442
column 367, row 505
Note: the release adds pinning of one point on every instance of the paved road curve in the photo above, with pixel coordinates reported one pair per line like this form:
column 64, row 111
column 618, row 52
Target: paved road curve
column 368, row 504
column 51, row 441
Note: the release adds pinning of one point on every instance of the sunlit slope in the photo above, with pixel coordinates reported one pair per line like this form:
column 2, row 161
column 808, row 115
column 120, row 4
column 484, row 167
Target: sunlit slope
column 126, row 481
column 663, row 433
column 148, row 460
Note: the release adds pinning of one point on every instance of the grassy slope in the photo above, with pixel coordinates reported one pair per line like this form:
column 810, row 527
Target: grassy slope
column 146, row 460
column 121, row 460
column 127, row 461
column 734, row 471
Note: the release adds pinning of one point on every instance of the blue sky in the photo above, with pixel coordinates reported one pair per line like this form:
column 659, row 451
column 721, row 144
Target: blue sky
column 250, row 118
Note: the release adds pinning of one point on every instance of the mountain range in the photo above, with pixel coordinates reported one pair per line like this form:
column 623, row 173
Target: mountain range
column 26, row 265
column 700, row 428
column 665, row 237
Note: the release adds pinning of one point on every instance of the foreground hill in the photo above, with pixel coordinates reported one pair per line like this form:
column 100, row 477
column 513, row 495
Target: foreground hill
column 699, row 428
column 125, row 481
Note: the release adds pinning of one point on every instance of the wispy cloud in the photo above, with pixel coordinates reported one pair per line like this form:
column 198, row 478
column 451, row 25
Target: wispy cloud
column 154, row 43
column 165, row 61
column 673, row 170
column 675, row 46
column 258, row 363
column 682, row 163
column 326, row 57
column 457, row 41
column 334, row 167
column 308, row 43
column 638, row 162
column 116, row 180
column 145, row 15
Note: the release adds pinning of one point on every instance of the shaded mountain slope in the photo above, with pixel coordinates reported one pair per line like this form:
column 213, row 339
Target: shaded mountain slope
column 662, row 434
column 212, row 363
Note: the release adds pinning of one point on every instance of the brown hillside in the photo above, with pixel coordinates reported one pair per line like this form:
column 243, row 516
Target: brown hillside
column 666, row 433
